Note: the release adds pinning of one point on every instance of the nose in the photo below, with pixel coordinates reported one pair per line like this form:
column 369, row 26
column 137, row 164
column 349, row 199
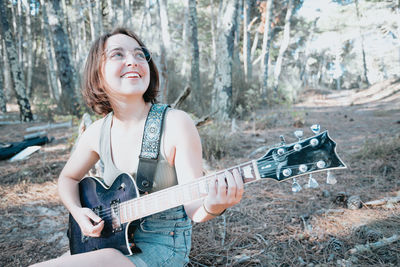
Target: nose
column 131, row 60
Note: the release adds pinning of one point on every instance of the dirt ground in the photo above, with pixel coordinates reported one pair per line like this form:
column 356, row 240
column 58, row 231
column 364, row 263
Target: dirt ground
column 271, row 226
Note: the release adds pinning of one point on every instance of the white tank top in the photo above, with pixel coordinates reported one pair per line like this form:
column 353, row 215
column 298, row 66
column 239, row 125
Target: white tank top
column 165, row 174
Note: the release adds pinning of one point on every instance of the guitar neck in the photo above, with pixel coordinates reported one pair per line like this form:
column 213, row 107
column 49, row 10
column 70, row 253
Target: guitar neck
column 180, row 194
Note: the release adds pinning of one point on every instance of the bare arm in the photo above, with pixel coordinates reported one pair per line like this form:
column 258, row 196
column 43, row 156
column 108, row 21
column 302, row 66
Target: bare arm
column 224, row 191
column 79, row 163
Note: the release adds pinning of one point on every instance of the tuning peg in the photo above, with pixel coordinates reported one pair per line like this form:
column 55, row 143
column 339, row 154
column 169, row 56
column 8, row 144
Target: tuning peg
column 315, row 128
column 330, row 178
column 298, row 134
column 312, row 183
column 295, row 186
column 283, row 142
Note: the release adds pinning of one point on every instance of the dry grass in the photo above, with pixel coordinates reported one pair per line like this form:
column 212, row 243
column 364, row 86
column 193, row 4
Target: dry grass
column 270, row 227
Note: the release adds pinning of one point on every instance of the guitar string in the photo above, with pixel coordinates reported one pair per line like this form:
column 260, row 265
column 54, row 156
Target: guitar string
column 108, row 211
column 166, row 196
column 195, row 185
column 143, row 203
column 289, row 152
column 167, row 191
column 130, row 202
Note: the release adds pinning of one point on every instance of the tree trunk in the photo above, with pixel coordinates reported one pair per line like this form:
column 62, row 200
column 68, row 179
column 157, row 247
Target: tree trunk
column 254, row 46
column 304, row 68
column 8, row 83
column 99, row 13
column 186, row 44
column 194, row 80
column 110, row 16
column 237, row 69
column 54, row 82
column 16, row 70
column 147, row 35
column 284, row 45
column 247, row 5
column 92, row 22
column 3, row 101
column 213, row 31
column 79, row 42
column 164, row 46
column 30, row 40
column 265, row 48
column 68, row 100
column 164, row 24
column 362, row 44
column 222, row 101
column 19, row 33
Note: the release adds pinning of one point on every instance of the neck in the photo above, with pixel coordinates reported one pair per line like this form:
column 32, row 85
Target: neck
column 179, row 194
column 131, row 111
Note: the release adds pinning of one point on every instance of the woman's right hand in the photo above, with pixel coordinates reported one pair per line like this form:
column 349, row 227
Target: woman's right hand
column 89, row 222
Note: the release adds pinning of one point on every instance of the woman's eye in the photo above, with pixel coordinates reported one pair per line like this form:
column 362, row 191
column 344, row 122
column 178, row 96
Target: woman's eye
column 117, row 55
column 140, row 55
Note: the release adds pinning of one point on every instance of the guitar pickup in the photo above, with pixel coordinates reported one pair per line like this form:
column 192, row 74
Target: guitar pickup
column 115, row 218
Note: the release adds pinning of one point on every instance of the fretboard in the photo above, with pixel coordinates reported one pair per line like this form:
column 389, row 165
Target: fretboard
column 180, row 194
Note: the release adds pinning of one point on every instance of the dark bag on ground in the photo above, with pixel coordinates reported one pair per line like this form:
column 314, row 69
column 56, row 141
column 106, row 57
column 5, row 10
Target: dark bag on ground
column 7, row 150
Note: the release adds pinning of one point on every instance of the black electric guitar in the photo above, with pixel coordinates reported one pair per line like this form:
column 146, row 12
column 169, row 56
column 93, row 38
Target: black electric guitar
column 120, row 205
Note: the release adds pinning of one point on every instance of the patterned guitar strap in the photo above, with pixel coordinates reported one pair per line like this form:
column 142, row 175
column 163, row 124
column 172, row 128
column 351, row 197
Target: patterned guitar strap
column 149, row 154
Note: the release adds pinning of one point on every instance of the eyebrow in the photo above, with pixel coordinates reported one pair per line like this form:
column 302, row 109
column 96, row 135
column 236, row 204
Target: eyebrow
column 121, row 48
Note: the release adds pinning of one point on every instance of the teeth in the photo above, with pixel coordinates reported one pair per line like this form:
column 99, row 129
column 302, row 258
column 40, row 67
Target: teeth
column 131, row 75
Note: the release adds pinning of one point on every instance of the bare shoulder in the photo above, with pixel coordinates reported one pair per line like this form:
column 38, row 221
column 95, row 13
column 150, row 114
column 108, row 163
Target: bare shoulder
column 178, row 118
column 180, row 128
column 91, row 136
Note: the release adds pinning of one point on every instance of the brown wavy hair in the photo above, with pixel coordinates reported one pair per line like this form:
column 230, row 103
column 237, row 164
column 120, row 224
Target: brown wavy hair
column 93, row 80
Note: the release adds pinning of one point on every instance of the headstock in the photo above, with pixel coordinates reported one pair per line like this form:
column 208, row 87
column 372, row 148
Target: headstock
column 314, row 154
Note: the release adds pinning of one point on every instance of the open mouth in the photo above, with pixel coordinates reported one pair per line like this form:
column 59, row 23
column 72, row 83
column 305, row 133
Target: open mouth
column 131, row 75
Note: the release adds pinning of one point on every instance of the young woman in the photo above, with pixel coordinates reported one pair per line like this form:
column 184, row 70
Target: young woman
column 121, row 83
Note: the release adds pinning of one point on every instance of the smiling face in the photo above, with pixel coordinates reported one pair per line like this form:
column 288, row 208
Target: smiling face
column 125, row 70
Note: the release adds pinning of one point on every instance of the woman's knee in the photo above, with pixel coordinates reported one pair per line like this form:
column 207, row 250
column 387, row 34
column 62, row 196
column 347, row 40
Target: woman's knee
column 113, row 256
column 102, row 257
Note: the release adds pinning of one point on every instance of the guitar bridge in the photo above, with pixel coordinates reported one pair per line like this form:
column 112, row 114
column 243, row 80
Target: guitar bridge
column 116, row 222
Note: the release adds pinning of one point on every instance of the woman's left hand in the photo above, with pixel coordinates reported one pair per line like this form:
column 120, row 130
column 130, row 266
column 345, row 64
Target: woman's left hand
column 225, row 191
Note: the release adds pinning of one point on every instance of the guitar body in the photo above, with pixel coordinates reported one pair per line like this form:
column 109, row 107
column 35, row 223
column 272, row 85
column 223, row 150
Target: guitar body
column 104, row 202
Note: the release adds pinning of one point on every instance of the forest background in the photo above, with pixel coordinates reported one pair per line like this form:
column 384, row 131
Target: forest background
column 234, row 55
column 256, row 70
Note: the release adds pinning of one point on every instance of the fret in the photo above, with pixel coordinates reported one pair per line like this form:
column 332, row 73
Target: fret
column 125, row 212
column 186, row 196
column 129, row 209
column 194, row 190
column 135, row 207
column 255, row 167
column 248, row 172
column 181, row 194
column 201, row 188
column 149, row 206
column 121, row 212
column 142, row 209
column 205, row 184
